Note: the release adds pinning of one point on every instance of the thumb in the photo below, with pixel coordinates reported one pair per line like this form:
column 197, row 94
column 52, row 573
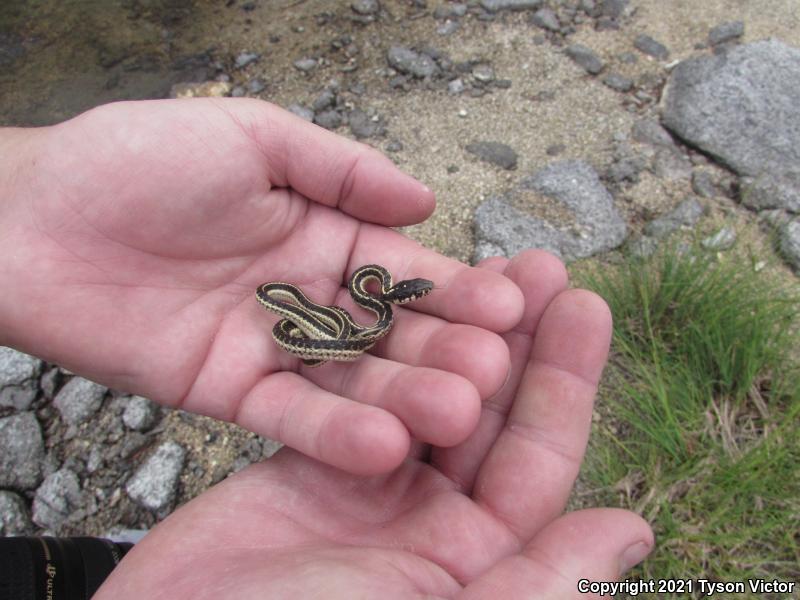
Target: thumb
column 569, row 558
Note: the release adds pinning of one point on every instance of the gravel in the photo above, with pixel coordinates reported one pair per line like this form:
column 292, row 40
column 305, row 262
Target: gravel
column 17, row 367
column 14, row 519
column 365, row 7
column 413, row 63
column 686, row 214
column 672, row 165
column 499, row 5
column 56, row 499
column 363, row 126
column 305, row 64
column 154, row 484
column 650, row 131
column 703, row 184
column 140, row 413
column 618, row 82
column 246, row 58
column 22, row 451
column 790, row 243
column 18, row 371
column 301, row 111
column 725, row 32
column 772, row 190
column 546, row 19
column 585, row 57
column 495, row 153
column 329, row 119
column 647, row 45
column 722, row 240
column 79, row 399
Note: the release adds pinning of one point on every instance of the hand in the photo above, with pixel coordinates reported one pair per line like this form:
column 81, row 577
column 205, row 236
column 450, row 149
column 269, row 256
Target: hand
column 480, row 520
column 135, row 237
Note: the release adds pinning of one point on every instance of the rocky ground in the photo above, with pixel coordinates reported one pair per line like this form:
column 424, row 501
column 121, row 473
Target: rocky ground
column 579, row 126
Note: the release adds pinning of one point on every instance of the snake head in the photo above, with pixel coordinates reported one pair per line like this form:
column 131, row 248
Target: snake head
column 408, row 290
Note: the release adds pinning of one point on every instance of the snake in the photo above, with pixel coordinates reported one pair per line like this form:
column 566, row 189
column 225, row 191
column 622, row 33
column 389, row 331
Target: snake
column 316, row 333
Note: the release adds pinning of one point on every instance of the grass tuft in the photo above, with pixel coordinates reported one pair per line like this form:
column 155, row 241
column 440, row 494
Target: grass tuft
column 698, row 415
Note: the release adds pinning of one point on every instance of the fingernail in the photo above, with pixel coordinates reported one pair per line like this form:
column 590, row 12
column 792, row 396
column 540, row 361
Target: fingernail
column 635, row 554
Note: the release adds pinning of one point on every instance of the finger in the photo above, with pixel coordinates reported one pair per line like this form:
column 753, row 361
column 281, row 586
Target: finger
column 596, row 545
column 333, row 170
column 461, row 294
column 541, row 277
column 437, row 407
column 494, row 263
column 529, row 472
column 358, row 438
column 476, row 354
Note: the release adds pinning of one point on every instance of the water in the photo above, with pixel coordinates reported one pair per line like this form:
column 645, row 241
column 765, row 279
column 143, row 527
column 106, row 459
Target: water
column 61, row 57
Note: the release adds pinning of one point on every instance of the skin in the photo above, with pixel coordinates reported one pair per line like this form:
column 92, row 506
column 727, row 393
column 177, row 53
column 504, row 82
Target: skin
column 482, row 520
column 135, row 235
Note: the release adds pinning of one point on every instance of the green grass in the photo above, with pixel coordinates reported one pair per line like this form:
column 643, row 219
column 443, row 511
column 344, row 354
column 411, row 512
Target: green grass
column 699, row 411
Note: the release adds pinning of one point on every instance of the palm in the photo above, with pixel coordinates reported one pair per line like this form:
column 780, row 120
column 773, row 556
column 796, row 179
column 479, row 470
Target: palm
column 151, row 224
column 480, row 520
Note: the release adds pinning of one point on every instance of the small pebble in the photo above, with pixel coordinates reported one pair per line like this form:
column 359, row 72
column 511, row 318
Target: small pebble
column 722, row 240
column 256, row 85
column 301, row 111
column 329, row 119
column 245, row 58
column 496, row 153
column 546, row 19
column 483, row 73
column 154, row 484
column 140, row 413
column 56, row 499
column 703, row 184
column 365, row 7
column 725, row 32
column 585, row 57
column 644, row 43
column 305, row 64
column 14, row 519
column 455, row 87
column 618, row 82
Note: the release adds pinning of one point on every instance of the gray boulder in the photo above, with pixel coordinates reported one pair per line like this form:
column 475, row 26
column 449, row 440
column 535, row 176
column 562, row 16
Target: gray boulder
column 591, row 223
column 740, row 106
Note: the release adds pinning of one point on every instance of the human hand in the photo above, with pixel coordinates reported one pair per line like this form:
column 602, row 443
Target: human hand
column 480, row 520
column 132, row 240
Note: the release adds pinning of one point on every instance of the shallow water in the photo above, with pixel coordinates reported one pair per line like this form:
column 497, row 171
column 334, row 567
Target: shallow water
column 61, row 57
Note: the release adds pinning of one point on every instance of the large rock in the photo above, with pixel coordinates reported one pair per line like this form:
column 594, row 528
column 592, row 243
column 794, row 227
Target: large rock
column 588, row 222
column 741, row 106
column 22, row 452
